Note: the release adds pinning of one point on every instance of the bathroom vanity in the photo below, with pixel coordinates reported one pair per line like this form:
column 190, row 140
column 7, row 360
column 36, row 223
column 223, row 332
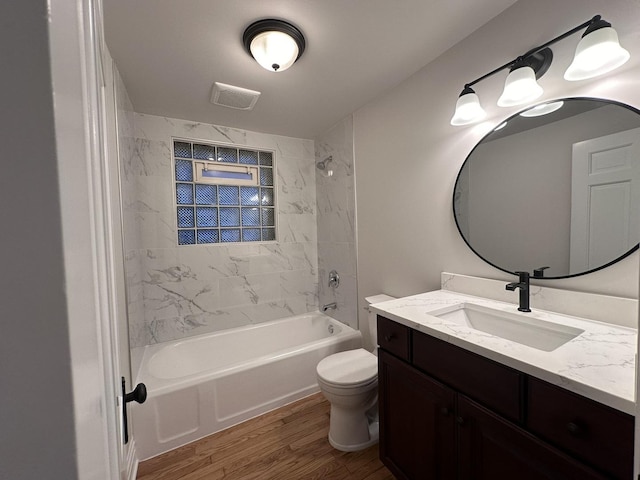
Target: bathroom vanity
column 458, row 402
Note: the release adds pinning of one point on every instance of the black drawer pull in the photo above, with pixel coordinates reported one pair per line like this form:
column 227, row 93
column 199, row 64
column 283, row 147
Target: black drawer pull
column 445, row 411
column 574, row 429
column 460, row 420
column 389, row 336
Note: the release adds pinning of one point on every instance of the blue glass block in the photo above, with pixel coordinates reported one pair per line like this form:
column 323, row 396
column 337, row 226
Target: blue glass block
column 227, row 155
column 206, row 194
column 184, row 171
column 208, row 236
column 268, row 217
column 206, row 217
column 266, row 158
column 267, row 196
column 182, row 149
column 250, row 217
column 228, row 195
column 204, row 152
column 249, row 196
column 248, row 157
column 268, row 234
column 185, row 217
column 250, row 234
column 186, row 237
column 266, row 177
column 229, row 217
column 184, row 193
column 232, row 235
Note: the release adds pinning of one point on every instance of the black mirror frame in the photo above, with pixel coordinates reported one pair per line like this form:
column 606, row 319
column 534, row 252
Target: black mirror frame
column 453, row 205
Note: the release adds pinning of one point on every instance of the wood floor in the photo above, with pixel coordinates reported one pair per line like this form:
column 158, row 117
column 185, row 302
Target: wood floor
column 287, row 444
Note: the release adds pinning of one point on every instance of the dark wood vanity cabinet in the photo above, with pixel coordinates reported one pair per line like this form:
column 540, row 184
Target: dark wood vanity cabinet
column 417, row 422
column 446, row 413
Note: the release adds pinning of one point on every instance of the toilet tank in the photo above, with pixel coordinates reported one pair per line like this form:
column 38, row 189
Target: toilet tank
column 373, row 318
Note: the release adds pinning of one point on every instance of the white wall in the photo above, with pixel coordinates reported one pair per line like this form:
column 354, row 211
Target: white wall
column 408, row 155
column 35, row 375
column 56, row 414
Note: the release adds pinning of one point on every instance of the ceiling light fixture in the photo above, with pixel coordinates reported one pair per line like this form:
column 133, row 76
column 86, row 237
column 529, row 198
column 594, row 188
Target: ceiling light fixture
column 597, row 53
column 274, row 44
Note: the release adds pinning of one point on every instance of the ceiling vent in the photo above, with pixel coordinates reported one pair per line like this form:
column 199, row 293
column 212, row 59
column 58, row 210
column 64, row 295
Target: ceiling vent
column 233, row 97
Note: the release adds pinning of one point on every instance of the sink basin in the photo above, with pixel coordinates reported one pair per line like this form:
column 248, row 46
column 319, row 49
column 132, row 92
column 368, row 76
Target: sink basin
column 519, row 328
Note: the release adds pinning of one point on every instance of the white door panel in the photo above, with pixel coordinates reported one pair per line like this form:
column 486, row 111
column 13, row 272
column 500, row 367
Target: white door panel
column 605, row 199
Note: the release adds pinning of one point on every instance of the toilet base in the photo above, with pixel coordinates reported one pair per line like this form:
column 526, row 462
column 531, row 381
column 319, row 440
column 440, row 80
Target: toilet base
column 355, row 428
column 373, row 439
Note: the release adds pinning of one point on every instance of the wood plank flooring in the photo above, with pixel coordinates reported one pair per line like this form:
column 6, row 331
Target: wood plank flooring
column 286, row 444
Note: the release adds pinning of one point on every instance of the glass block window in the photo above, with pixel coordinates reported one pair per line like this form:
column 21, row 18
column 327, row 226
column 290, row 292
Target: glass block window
column 223, row 194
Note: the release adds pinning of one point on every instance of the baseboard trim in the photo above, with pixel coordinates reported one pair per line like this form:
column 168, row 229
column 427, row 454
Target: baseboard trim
column 131, row 461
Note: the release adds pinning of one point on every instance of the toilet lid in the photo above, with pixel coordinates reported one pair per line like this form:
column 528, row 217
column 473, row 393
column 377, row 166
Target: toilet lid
column 349, row 368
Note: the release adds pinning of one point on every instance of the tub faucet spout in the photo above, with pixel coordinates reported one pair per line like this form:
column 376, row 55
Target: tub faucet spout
column 329, row 306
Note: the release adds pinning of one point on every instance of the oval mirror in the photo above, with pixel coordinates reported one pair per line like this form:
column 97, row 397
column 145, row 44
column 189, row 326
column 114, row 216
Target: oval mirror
column 554, row 192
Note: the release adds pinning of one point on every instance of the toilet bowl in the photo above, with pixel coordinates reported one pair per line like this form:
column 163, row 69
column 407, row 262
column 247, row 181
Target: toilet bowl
column 349, row 381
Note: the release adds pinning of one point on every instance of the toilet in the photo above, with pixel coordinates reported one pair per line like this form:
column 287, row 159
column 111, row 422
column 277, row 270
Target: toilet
column 349, row 381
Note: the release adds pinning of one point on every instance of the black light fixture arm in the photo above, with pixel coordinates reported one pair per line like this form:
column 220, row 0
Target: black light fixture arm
column 522, row 58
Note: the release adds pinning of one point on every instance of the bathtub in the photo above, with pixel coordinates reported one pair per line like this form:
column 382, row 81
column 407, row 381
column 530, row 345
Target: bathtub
column 200, row 385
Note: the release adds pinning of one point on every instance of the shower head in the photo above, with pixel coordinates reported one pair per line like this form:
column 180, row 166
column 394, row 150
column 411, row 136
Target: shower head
column 323, row 166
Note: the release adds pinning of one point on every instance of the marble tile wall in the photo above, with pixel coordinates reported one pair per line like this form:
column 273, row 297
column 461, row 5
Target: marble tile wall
column 336, row 222
column 131, row 231
column 189, row 290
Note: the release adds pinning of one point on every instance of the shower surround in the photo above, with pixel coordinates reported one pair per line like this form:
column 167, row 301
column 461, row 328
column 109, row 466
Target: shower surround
column 336, row 222
column 176, row 292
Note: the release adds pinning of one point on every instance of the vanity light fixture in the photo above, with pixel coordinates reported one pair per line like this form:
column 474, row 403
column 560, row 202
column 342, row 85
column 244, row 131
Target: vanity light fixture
column 274, row 44
column 468, row 108
column 597, row 53
column 542, row 109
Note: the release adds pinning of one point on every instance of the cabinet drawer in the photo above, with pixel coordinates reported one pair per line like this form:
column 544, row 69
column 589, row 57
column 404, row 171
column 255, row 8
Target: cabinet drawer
column 494, row 385
column 393, row 337
column 599, row 435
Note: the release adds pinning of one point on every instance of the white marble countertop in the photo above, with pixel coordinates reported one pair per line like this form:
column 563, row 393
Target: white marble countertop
column 599, row 363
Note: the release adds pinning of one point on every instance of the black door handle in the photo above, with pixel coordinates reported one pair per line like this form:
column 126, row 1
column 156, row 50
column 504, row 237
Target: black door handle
column 139, row 394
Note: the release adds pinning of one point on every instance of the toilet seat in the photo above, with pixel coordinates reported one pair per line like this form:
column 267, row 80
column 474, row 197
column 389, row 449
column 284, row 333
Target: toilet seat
column 353, row 368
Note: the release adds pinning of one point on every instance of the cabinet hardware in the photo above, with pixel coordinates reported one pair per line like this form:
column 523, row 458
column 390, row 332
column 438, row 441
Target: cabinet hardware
column 574, row 428
column 460, row 420
column 445, row 411
column 390, row 336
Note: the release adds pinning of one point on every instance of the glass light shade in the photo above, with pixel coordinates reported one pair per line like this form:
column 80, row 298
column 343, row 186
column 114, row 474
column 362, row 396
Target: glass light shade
column 275, row 51
column 597, row 53
column 520, row 87
column 542, row 109
column 468, row 110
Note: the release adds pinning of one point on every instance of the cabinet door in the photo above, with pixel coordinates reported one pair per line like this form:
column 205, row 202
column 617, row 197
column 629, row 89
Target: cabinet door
column 417, row 426
column 492, row 448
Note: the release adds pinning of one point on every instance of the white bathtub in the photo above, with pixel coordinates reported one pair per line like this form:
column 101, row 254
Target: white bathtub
column 206, row 383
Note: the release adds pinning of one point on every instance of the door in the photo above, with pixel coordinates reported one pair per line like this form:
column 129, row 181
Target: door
column 117, row 301
column 605, row 199
column 416, row 422
column 492, row 448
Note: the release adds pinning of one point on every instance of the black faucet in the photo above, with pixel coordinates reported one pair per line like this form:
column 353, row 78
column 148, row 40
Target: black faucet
column 523, row 285
column 539, row 272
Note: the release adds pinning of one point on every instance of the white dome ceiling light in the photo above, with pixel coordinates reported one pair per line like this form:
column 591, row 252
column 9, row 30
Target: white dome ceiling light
column 274, row 44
